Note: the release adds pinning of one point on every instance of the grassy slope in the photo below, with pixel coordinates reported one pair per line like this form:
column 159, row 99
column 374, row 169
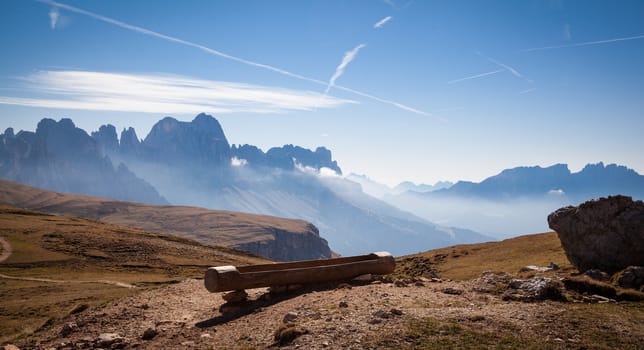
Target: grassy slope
column 208, row 226
column 83, row 258
column 466, row 261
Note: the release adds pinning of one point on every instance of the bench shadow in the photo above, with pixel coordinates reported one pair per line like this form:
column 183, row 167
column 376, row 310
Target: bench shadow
column 233, row 310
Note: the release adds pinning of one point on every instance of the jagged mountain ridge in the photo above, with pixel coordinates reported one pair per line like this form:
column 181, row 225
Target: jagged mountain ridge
column 61, row 157
column 191, row 163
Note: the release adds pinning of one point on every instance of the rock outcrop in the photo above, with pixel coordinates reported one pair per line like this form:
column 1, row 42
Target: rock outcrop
column 286, row 246
column 605, row 234
column 61, row 157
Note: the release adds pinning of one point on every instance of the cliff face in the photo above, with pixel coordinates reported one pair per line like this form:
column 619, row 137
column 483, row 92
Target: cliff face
column 286, row 246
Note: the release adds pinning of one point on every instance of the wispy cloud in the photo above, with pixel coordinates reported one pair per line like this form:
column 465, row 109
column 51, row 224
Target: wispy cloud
column 586, row 43
column 214, row 52
column 502, row 65
column 526, row 91
column 382, row 22
column 348, row 57
column 54, row 14
column 159, row 94
column 476, row 76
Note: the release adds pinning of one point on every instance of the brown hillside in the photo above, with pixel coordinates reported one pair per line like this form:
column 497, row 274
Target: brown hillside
column 466, row 261
column 56, row 265
column 384, row 314
column 263, row 235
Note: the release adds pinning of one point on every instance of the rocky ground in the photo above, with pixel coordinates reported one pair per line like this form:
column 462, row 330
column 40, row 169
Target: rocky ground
column 422, row 313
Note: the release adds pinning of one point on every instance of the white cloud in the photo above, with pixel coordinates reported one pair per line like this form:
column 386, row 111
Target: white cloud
column 526, row 91
column 54, row 14
column 382, row 22
column 160, row 93
column 475, row 76
column 348, row 57
column 328, row 172
column 557, row 192
column 586, row 43
column 237, row 162
column 218, row 53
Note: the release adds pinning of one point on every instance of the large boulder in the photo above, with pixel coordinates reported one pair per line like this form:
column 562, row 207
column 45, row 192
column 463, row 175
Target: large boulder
column 605, row 234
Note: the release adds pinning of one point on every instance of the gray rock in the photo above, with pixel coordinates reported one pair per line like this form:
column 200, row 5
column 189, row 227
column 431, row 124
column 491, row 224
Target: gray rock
column 343, row 304
column 597, row 275
column 149, row 334
column 631, row 277
column 605, row 234
column 107, row 339
column 533, row 289
column 290, row 317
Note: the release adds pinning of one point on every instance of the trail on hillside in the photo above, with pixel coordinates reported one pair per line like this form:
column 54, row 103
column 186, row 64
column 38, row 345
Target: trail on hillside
column 48, row 280
column 6, row 249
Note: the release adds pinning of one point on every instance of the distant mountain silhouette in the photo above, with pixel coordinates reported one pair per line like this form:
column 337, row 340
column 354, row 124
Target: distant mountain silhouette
column 517, row 201
column 192, row 163
column 594, row 180
column 61, row 157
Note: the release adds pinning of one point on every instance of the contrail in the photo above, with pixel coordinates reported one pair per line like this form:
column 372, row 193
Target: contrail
column 382, row 22
column 218, row 53
column 348, row 57
column 476, row 76
column 586, row 43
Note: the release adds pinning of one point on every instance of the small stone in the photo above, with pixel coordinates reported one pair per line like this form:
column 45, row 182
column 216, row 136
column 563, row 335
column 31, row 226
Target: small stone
column 396, row 312
column 343, row 286
column 286, row 333
column 107, row 339
column 236, row 296
column 419, row 284
column 149, row 334
column 68, row 328
column 325, row 344
column 400, row 283
column 436, row 280
column 205, row 336
column 290, row 317
column 374, row 321
column 381, row 314
column 452, row 291
column 364, row 278
column 11, row 347
column 343, row 304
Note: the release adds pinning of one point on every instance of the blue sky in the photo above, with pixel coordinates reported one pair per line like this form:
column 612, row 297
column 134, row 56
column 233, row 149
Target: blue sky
column 398, row 90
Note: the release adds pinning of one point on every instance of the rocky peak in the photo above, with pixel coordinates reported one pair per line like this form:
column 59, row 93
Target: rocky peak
column 106, row 138
column 63, row 139
column 130, row 144
column 286, row 156
column 200, row 141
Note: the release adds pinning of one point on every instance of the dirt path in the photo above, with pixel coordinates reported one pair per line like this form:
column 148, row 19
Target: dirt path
column 6, row 249
column 48, row 280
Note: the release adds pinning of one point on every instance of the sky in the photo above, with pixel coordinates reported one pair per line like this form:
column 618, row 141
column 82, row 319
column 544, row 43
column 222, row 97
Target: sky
column 399, row 90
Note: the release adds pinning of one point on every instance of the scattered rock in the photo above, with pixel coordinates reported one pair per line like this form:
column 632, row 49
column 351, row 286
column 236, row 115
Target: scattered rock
column 597, row 275
column 381, row 314
column 343, row 286
column 400, row 283
column 534, row 268
column 205, row 336
column 604, row 234
column 534, row 289
column 631, row 277
column 343, row 304
column 288, row 332
column 374, row 321
column 10, row 347
column 68, row 328
column 452, row 291
column 491, row 282
column 597, row 299
column 396, row 312
column 290, row 317
column 235, row 296
column 105, row 340
column 149, row 334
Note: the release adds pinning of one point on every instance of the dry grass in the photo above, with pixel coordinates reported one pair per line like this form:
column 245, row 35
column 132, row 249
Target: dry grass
column 467, row 261
column 78, row 262
column 216, row 227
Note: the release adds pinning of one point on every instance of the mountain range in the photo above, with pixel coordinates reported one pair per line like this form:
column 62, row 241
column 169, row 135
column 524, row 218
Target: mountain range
column 517, row 201
column 192, row 164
